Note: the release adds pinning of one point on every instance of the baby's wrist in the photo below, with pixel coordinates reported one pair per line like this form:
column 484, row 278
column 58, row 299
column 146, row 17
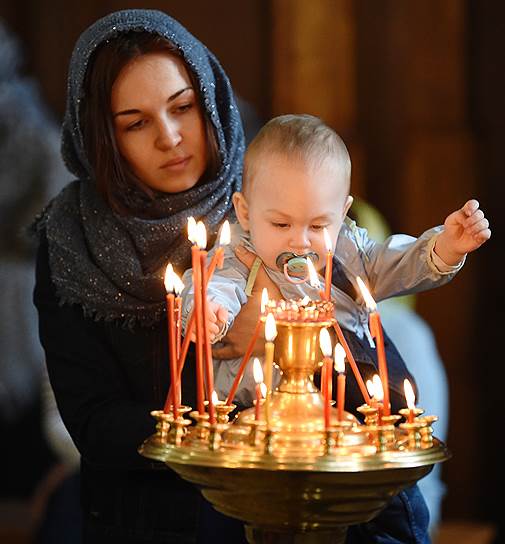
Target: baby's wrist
column 449, row 256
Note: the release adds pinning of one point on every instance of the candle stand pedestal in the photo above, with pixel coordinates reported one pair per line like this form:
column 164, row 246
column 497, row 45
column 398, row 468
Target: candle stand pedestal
column 291, row 479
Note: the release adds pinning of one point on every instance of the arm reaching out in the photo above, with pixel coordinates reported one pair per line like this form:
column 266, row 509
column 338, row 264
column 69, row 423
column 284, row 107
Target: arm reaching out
column 465, row 230
column 217, row 317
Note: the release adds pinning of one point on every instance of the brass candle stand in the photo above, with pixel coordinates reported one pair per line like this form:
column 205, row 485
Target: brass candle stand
column 293, row 479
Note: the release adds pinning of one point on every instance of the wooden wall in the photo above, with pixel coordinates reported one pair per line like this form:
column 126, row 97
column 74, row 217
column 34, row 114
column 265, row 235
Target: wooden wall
column 416, row 89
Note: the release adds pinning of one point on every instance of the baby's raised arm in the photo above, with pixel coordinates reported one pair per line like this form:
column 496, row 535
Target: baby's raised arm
column 465, row 230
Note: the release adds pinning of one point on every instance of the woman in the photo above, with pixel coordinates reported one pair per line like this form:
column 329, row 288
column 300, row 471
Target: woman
column 153, row 136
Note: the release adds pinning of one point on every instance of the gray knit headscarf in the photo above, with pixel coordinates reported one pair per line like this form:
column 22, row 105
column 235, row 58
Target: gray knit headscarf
column 113, row 265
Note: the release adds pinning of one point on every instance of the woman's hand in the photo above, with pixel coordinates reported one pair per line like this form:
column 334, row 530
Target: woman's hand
column 238, row 337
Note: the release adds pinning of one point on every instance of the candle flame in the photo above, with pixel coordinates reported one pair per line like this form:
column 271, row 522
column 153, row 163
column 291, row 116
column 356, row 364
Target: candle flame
column 270, row 328
column 313, row 277
column 339, row 358
column 179, row 285
column 325, row 342
column 170, row 278
column 215, row 398
column 305, row 300
column 201, row 235
column 369, row 301
column 264, row 299
column 225, row 236
column 263, row 389
column 409, row 394
column 327, row 240
column 257, row 371
column 192, row 230
column 370, row 388
column 377, row 387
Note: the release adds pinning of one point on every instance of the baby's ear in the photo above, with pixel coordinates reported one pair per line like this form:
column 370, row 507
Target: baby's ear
column 242, row 210
column 348, row 204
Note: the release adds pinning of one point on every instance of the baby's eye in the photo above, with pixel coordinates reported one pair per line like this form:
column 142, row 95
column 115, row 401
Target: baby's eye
column 280, row 225
column 318, row 227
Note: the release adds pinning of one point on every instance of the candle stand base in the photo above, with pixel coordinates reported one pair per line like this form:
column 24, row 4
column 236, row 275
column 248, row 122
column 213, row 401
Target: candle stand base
column 259, row 535
column 297, row 480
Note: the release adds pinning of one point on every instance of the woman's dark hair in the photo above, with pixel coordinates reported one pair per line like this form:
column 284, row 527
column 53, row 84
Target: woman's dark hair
column 115, row 179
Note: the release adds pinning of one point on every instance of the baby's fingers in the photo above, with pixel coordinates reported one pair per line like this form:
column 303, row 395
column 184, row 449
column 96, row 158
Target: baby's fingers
column 470, row 207
column 482, row 236
column 474, row 220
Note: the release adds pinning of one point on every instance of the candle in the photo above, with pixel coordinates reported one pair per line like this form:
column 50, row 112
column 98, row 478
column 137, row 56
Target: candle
column 250, row 347
column 379, row 396
column 377, row 333
column 325, row 345
column 197, row 279
column 172, row 355
column 369, row 386
column 218, row 257
column 411, row 400
column 339, row 358
column 207, row 352
column 352, row 363
column 329, row 265
column 270, row 334
column 258, row 378
column 313, row 276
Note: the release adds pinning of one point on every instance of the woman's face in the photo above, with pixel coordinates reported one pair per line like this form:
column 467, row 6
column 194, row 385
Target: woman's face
column 158, row 122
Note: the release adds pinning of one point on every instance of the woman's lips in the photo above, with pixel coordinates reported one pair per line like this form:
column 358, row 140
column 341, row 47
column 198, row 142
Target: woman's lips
column 176, row 164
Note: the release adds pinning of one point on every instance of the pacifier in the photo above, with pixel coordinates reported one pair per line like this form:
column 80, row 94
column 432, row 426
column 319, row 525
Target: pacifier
column 295, row 265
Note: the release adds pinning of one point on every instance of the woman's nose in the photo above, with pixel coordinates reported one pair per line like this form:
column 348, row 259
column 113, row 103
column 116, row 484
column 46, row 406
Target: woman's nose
column 168, row 136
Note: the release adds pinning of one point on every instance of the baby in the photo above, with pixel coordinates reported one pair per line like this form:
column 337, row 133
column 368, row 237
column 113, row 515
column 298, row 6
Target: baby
column 296, row 183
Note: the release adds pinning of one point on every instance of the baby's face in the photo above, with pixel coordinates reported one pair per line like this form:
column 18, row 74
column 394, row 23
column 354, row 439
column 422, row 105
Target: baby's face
column 290, row 204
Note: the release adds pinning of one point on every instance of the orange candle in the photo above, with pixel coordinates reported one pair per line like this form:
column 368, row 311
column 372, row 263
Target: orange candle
column 339, row 358
column 329, row 265
column 169, row 286
column 197, row 282
column 352, row 363
column 325, row 345
column 249, row 349
column 258, row 378
column 207, row 352
column 377, row 334
column 218, row 257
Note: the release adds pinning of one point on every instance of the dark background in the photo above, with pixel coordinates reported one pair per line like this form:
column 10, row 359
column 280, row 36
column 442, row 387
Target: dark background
column 416, row 89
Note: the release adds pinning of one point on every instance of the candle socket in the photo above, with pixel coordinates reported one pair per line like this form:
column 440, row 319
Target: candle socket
column 202, row 425
column 334, row 435
column 388, row 422
column 163, row 423
column 216, row 431
column 427, row 431
column 256, row 429
column 371, row 414
column 178, row 431
column 383, row 436
column 268, row 441
column 223, row 411
column 405, row 412
column 413, row 433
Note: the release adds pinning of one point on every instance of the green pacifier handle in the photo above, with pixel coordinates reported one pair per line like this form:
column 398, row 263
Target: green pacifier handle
column 251, row 279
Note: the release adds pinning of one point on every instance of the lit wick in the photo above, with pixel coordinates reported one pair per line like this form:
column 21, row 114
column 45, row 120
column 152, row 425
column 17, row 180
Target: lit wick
column 411, row 400
column 329, row 265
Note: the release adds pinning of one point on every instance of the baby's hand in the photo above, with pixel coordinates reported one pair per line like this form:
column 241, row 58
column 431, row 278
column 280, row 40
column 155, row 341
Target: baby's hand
column 465, row 230
column 217, row 316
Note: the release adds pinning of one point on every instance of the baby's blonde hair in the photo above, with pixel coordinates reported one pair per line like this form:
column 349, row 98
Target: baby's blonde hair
column 300, row 137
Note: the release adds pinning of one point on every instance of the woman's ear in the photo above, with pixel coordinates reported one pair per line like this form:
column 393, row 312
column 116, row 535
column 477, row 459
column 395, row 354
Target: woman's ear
column 242, row 210
column 348, row 204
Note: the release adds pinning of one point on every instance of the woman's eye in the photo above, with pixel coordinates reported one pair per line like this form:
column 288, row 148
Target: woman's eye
column 184, row 107
column 137, row 125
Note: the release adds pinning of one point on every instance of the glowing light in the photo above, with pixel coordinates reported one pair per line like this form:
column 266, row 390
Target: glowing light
column 327, row 240
column 270, row 328
column 313, row 277
column 192, row 230
column 325, row 342
column 369, row 301
column 225, row 236
column 370, row 388
column 215, row 398
column 264, row 299
column 257, row 371
column 170, row 278
column 201, row 235
column 339, row 358
column 409, row 394
column 378, row 389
